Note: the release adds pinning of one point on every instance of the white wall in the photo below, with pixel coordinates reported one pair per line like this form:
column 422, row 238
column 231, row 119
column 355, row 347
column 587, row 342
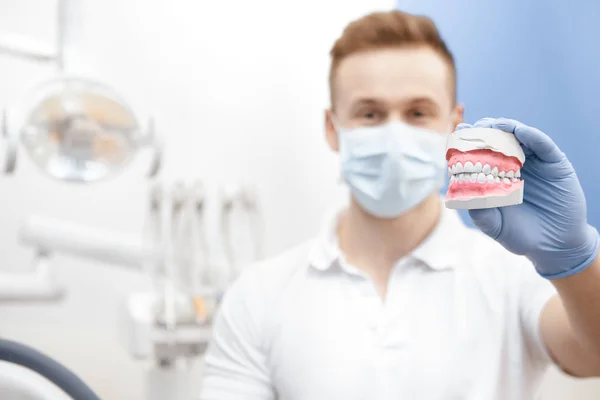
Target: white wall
column 238, row 89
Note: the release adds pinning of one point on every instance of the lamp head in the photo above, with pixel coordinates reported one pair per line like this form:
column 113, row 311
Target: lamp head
column 78, row 130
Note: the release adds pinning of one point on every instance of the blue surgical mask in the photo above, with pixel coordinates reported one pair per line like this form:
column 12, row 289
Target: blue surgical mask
column 392, row 168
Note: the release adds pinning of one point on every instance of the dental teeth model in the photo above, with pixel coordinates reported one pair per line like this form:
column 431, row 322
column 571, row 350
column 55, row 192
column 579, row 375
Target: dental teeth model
column 484, row 166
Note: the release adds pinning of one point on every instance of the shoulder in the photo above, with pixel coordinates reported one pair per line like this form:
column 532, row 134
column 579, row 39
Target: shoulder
column 251, row 304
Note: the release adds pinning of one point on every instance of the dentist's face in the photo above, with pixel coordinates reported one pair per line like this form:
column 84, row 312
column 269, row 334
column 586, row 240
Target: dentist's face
column 413, row 85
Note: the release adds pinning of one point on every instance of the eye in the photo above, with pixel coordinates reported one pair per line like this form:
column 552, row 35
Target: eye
column 370, row 115
column 418, row 113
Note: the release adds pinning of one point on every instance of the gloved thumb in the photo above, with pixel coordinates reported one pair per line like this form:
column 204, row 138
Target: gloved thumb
column 488, row 220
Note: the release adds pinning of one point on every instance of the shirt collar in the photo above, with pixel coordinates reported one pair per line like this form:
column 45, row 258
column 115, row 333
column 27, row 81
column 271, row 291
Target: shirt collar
column 439, row 251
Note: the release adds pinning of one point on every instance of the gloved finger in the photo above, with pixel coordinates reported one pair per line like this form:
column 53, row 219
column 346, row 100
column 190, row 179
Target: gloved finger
column 485, row 123
column 462, row 125
column 533, row 139
column 488, row 220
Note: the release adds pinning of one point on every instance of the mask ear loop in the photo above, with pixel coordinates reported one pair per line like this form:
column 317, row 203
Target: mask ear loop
column 336, row 124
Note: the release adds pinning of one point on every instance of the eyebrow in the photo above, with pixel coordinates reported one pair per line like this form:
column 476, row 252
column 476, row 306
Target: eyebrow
column 365, row 101
column 422, row 100
column 425, row 102
column 410, row 102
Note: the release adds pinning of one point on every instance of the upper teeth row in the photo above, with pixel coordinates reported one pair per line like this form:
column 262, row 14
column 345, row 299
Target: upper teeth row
column 469, row 168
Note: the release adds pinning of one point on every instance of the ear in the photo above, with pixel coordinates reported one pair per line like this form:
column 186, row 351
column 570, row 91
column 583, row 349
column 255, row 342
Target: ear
column 457, row 116
column 330, row 132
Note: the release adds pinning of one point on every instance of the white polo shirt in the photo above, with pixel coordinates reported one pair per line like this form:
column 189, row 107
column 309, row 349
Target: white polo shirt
column 460, row 321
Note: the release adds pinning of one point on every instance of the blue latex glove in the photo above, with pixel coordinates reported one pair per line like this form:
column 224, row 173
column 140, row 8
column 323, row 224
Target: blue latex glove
column 550, row 227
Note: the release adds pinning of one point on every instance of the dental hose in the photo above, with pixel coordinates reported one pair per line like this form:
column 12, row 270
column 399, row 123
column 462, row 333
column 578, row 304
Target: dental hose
column 20, row 354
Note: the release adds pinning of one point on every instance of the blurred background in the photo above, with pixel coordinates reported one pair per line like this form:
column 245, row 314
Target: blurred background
column 238, row 90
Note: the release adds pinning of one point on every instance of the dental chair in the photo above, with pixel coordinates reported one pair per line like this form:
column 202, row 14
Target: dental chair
column 73, row 130
column 27, row 374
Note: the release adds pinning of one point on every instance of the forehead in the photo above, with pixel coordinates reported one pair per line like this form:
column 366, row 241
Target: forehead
column 393, row 75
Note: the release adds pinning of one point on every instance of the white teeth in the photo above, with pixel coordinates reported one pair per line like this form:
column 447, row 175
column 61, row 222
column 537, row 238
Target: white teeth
column 468, row 166
column 481, row 173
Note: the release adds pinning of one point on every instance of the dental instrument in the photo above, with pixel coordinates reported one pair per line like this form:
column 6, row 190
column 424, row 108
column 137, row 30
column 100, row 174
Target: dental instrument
column 242, row 198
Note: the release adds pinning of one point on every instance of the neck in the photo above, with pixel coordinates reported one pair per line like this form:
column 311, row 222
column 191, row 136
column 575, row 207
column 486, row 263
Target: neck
column 375, row 244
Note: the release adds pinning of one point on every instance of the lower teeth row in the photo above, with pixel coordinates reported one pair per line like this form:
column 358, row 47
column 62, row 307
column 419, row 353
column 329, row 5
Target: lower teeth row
column 481, row 178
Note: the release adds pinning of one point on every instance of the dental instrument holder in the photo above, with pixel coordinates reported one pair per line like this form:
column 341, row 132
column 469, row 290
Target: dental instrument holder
column 173, row 323
column 147, row 333
column 495, row 140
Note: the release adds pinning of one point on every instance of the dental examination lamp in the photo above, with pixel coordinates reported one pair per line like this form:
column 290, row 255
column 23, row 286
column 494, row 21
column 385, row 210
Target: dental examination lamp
column 77, row 130
column 73, row 128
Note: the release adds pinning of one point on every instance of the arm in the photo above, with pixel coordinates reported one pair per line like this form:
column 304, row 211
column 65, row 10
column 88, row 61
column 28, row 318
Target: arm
column 550, row 228
column 570, row 323
column 236, row 365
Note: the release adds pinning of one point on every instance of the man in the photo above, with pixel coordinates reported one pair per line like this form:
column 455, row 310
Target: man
column 397, row 299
